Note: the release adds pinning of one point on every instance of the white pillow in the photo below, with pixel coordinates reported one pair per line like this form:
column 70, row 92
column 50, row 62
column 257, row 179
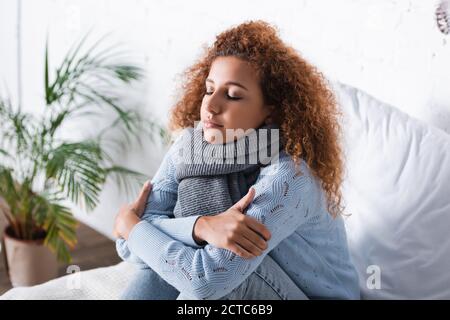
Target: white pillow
column 398, row 192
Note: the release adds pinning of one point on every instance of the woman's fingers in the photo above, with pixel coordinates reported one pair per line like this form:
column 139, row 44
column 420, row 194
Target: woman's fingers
column 139, row 203
column 146, row 188
column 240, row 251
column 245, row 201
column 258, row 227
column 255, row 238
column 249, row 246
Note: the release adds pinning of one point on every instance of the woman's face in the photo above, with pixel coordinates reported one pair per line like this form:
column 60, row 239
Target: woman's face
column 233, row 100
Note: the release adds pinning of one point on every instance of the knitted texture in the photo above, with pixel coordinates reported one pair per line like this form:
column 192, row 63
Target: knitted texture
column 307, row 243
column 225, row 170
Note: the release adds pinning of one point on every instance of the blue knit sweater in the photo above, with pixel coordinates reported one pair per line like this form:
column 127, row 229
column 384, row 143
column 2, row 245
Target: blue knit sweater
column 307, row 243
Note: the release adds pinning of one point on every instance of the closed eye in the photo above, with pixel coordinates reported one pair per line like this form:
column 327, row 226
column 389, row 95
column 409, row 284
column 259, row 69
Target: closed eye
column 229, row 97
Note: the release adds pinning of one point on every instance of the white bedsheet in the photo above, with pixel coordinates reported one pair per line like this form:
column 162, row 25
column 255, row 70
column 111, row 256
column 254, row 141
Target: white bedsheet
column 398, row 192
column 100, row 283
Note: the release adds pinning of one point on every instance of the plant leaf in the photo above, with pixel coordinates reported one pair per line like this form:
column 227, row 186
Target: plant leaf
column 76, row 167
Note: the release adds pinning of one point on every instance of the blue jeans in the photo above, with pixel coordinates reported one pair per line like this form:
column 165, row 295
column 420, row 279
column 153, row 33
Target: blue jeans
column 267, row 282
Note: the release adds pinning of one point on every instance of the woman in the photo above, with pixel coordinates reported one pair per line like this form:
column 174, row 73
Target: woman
column 270, row 229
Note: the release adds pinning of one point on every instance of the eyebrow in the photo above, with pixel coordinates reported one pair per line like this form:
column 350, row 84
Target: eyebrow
column 230, row 82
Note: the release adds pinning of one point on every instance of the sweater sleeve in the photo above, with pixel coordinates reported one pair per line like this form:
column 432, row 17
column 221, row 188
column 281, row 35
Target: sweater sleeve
column 159, row 209
column 281, row 200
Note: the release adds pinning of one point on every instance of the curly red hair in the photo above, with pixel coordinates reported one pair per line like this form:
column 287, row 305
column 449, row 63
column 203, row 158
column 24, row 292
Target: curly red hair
column 306, row 109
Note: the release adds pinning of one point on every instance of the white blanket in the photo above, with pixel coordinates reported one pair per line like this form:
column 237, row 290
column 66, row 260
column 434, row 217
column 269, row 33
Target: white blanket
column 397, row 190
column 101, row 283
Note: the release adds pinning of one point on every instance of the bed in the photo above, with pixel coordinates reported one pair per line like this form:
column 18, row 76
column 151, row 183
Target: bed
column 397, row 197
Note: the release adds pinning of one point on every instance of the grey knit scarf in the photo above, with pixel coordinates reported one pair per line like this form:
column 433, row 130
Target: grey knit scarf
column 213, row 177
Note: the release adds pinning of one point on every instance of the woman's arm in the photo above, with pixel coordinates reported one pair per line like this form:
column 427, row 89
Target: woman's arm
column 210, row 272
column 223, row 231
column 159, row 208
column 234, row 230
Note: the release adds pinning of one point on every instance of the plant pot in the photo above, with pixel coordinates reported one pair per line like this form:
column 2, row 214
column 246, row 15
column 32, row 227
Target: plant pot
column 28, row 262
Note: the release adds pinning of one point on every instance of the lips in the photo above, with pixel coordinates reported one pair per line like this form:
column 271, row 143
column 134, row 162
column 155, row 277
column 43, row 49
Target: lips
column 211, row 124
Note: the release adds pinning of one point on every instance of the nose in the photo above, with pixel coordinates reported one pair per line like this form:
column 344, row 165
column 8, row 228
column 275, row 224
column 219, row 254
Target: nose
column 213, row 105
column 211, row 109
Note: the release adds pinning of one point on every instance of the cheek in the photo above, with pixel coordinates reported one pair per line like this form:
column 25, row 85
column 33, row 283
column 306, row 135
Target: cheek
column 202, row 109
column 247, row 116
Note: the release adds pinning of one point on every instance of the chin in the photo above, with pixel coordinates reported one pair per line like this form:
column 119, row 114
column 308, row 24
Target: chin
column 214, row 136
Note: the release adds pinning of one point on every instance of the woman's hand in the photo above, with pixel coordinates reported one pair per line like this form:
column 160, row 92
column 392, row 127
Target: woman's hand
column 129, row 214
column 233, row 230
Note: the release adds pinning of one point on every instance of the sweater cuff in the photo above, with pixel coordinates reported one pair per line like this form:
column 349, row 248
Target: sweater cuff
column 146, row 242
column 122, row 249
column 180, row 229
column 136, row 234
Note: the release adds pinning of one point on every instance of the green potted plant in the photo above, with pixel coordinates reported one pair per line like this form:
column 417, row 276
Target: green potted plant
column 41, row 171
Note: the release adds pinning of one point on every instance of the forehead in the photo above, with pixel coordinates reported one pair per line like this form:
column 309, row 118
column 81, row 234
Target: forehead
column 230, row 68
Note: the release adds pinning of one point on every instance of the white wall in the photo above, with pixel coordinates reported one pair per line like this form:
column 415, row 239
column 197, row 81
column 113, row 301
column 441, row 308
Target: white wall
column 390, row 48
